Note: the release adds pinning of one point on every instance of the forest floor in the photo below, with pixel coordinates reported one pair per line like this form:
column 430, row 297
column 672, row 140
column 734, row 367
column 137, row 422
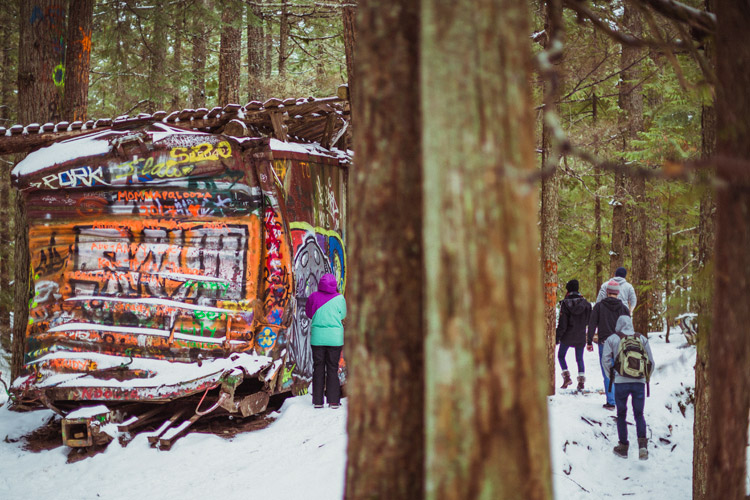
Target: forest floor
column 300, row 452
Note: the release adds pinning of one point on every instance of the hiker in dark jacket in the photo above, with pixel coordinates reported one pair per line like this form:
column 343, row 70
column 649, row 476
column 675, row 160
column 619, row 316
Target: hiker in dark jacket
column 571, row 331
column 602, row 323
column 625, row 386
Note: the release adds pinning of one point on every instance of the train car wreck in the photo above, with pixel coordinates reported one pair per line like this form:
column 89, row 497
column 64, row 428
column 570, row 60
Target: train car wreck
column 169, row 269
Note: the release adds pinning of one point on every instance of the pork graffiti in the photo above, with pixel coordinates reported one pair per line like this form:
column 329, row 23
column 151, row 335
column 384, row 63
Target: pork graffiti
column 160, row 166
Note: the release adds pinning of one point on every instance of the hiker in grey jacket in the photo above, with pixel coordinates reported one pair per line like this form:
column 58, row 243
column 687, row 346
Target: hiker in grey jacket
column 627, row 292
column 627, row 386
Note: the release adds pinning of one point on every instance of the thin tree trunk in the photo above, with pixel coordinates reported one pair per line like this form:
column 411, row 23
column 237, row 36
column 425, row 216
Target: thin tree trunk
column 157, row 53
column 550, row 217
column 283, row 37
column 702, row 291
column 22, row 287
column 230, row 55
column 268, row 68
column 486, row 374
column 41, row 68
column 668, row 266
column 5, row 253
column 254, row 52
column 598, row 246
column 631, row 102
column 729, row 370
column 78, row 60
column 386, row 338
column 350, row 40
column 176, row 70
column 6, row 78
column 200, row 54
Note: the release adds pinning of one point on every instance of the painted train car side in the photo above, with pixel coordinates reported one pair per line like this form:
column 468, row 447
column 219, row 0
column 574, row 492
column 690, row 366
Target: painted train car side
column 166, row 262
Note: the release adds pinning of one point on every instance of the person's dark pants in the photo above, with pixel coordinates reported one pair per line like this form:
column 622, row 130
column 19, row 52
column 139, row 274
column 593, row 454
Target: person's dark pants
column 563, row 350
column 326, row 374
column 638, row 391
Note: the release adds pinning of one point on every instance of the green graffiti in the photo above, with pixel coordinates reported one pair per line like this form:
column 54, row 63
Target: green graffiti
column 58, row 75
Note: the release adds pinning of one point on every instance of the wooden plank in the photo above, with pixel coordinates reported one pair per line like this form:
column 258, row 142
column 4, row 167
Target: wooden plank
column 280, row 128
column 153, row 438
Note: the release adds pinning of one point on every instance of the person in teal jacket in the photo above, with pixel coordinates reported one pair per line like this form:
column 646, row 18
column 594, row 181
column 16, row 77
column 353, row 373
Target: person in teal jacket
column 327, row 310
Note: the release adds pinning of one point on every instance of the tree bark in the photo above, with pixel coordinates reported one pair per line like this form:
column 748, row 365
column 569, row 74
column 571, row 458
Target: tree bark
column 729, row 370
column 200, row 54
column 78, row 60
column 598, row 246
column 350, row 40
column 8, row 21
column 550, row 217
column 157, row 53
column 268, row 24
column 229, row 56
column 22, row 288
column 41, row 56
column 486, row 375
column 254, row 52
column 386, row 339
column 283, row 37
column 176, row 63
column 631, row 102
column 5, row 254
column 702, row 291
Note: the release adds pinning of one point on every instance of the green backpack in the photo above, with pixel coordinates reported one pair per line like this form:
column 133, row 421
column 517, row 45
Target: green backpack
column 632, row 360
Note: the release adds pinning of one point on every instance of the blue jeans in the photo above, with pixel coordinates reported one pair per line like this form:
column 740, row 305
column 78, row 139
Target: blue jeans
column 610, row 394
column 579, row 356
column 638, row 391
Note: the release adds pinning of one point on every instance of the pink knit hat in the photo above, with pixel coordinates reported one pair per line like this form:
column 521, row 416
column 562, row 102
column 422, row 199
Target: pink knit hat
column 613, row 287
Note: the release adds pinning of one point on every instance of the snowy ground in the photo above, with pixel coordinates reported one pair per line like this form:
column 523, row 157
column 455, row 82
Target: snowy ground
column 303, row 453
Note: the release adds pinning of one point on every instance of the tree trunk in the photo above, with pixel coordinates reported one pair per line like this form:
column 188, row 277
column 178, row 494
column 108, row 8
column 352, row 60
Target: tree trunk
column 729, row 370
column 8, row 22
column 283, row 37
column 631, row 102
column 78, row 60
column 41, row 58
column 598, row 247
column 386, row 338
column 5, row 254
column 22, row 287
column 486, row 375
column 268, row 68
column 157, row 53
column 200, row 53
column 702, row 291
column 230, row 55
column 550, row 217
column 254, row 52
column 176, row 66
column 350, row 40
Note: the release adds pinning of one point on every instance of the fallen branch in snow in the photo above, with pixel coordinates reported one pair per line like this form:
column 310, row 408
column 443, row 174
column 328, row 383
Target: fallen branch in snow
column 579, row 485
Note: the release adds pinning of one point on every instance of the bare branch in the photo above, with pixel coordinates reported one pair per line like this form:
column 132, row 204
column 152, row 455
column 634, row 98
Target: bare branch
column 678, row 11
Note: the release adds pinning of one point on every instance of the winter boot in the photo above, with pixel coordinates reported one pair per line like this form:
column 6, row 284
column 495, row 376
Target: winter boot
column 642, row 449
column 566, row 379
column 581, row 382
column 621, row 450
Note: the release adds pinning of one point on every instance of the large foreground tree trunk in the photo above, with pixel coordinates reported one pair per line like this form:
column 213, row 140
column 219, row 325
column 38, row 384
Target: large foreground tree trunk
column 386, row 334
column 729, row 369
column 78, row 60
column 487, row 431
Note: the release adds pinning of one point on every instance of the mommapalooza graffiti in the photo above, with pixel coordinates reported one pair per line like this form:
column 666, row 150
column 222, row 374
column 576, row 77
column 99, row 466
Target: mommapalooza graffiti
column 178, row 247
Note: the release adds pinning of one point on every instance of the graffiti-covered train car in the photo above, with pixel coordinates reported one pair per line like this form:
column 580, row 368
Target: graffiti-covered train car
column 167, row 262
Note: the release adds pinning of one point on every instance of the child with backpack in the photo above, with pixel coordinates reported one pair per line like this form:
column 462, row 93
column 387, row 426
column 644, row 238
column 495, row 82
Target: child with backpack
column 627, row 358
